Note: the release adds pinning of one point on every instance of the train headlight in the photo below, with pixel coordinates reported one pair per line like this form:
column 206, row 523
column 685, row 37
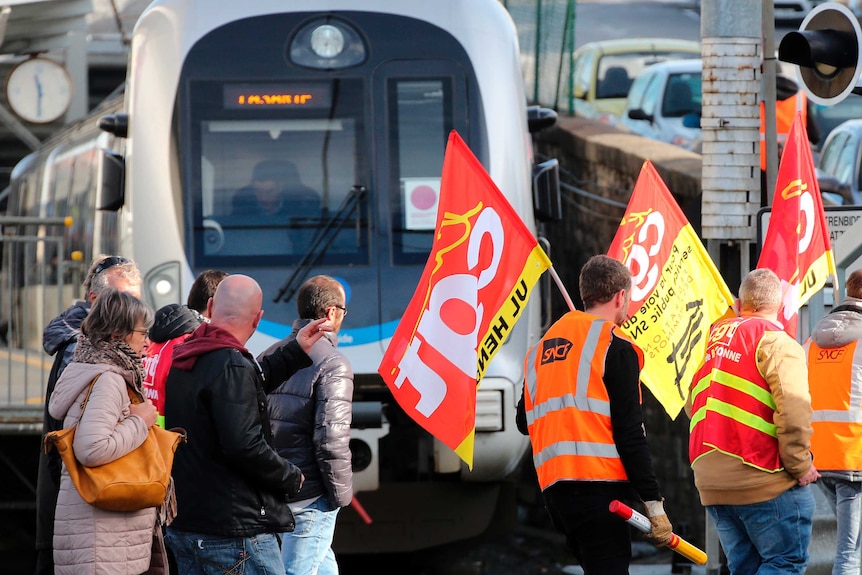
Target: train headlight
column 489, row 410
column 162, row 285
column 327, row 43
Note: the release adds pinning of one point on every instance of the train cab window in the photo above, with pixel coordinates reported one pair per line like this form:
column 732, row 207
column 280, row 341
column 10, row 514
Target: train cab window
column 276, row 182
column 420, row 121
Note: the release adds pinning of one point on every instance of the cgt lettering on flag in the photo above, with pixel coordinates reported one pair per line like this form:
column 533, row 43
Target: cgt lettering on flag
column 797, row 246
column 676, row 292
column 455, row 348
column 484, row 262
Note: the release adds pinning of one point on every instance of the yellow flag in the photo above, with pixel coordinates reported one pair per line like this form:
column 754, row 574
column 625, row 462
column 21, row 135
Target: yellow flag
column 677, row 292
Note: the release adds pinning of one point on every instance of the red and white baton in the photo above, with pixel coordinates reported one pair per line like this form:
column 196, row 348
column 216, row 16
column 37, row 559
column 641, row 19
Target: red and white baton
column 642, row 523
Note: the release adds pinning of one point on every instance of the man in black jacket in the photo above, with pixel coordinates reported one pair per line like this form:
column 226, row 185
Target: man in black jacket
column 231, row 484
column 311, row 414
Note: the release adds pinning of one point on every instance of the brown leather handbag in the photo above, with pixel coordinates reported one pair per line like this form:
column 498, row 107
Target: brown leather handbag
column 137, row 480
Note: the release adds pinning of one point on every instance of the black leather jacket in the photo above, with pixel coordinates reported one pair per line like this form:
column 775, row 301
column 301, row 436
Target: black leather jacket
column 229, row 480
column 311, row 414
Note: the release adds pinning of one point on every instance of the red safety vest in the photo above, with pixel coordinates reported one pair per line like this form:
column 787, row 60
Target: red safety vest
column 567, row 405
column 836, row 401
column 785, row 111
column 732, row 405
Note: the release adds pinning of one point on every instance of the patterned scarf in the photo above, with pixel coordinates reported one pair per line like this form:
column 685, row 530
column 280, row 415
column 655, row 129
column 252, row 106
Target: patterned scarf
column 115, row 352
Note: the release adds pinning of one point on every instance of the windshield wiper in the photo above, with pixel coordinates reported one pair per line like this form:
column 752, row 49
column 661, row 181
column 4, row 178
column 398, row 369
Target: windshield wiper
column 321, row 243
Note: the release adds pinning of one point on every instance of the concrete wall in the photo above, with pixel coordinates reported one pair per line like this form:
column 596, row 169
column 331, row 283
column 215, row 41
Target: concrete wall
column 594, row 152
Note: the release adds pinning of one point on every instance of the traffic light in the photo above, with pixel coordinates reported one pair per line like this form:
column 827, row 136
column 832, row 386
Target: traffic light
column 826, row 49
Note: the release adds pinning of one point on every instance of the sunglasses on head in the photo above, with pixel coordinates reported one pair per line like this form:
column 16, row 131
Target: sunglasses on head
column 109, row 263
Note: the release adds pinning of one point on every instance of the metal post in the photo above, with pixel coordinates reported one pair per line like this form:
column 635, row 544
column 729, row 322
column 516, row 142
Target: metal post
column 769, row 98
column 538, row 53
column 565, row 45
column 713, row 548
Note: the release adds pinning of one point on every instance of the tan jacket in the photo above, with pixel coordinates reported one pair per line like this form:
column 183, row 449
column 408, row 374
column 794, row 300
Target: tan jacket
column 725, row 480
column 88, row 540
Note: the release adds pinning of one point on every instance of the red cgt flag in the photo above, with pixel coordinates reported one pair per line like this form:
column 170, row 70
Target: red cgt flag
column 797, row 245
column 483, row 264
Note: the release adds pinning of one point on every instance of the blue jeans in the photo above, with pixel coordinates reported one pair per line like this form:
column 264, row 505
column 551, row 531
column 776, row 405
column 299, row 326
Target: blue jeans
column 307, row 550
column 845, row 499
column 769, row 538
column 201, row 554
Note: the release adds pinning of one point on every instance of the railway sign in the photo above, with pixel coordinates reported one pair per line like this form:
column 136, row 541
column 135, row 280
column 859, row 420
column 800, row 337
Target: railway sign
column 838, row 220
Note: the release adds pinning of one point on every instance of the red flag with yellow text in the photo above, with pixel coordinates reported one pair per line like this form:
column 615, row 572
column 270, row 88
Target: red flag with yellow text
column 677, row 292
column 797, row 245
column 483, row 264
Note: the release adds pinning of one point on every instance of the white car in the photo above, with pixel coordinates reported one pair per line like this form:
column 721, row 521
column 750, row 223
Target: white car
column 839, row 169
column 794, row 10
column 665, row 101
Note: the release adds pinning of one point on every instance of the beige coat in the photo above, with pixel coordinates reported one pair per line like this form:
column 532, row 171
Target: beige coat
column 725, row 480
column 88, row 540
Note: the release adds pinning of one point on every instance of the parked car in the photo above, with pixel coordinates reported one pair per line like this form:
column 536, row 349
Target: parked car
column 839, row 169
column 792, row 10
column 604, row 70
column 829, row 117
column 665, row 103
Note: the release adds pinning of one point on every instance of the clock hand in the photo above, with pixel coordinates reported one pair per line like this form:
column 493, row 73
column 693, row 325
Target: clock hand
column 38, row 95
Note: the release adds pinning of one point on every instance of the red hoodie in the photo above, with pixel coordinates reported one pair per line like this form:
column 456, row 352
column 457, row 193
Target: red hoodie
column 204, row 339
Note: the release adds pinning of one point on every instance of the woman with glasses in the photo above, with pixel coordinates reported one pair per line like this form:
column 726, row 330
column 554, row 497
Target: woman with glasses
column 108, row 355
column 59, row 339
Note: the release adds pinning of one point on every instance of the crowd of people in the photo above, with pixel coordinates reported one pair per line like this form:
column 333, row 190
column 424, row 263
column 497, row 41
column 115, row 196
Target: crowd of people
column 267, row 467
column 241, row 499
column 760, row 406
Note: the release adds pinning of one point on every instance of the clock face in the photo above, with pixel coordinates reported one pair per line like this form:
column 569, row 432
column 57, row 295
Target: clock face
column 39, row 90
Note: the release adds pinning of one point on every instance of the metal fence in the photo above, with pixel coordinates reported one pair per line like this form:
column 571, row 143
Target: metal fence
column 546, row 33
column 36, row 284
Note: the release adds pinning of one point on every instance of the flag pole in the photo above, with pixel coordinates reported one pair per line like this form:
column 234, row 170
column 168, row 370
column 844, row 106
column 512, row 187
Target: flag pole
column 560, row 285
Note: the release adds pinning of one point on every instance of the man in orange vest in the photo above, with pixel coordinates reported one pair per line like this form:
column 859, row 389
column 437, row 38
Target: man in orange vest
column 835, row 382
column 581, row 407
column 749, row 435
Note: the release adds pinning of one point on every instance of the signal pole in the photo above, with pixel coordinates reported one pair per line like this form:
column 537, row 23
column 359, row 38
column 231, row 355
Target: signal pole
column 731, row 41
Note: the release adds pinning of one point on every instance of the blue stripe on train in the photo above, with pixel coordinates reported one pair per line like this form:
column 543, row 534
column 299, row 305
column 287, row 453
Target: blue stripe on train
column 346, row 337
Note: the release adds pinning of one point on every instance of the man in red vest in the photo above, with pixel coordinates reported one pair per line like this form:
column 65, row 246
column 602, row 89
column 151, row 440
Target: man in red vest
column 750, row 427
column 581, row 406
column 835, row 382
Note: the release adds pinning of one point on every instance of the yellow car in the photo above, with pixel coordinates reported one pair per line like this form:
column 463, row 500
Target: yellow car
column 604, row 71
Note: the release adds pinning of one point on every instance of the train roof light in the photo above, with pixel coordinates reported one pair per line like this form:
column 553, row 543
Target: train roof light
column 327, row 41
column 328, row 44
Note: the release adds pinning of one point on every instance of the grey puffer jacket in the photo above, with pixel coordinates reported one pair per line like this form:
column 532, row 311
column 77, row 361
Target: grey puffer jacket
column 88, row 540
column 311, row 414
column 837, row 329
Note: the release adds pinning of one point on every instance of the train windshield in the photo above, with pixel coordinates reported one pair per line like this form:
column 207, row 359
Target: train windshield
column 277, row 174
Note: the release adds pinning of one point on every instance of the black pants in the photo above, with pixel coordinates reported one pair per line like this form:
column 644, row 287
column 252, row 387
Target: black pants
column 600, row 540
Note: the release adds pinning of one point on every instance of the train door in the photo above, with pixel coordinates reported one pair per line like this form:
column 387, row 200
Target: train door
column 417, row 105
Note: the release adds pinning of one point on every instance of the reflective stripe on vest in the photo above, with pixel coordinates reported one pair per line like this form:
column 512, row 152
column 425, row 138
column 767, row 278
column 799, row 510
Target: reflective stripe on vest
column 835, row 383
column 566, row 403
column 732, row 405
column 785, row 111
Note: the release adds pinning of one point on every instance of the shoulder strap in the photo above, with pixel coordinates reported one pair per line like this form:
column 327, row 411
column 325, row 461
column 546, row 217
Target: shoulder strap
column 134, row 396
column 89, row 391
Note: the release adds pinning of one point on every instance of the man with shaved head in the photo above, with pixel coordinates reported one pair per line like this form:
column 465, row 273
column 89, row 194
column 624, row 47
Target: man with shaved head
column 231, row 484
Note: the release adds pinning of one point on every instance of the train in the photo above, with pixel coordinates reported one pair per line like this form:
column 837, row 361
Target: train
column 349, row 104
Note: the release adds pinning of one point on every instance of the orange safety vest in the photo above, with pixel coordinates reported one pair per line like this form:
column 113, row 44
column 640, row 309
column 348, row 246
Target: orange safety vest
column 785, row 111
column 567, row 405
column 732, row 405
column 836, row 400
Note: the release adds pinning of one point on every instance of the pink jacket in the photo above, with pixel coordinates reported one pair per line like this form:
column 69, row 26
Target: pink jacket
column 88, row 540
